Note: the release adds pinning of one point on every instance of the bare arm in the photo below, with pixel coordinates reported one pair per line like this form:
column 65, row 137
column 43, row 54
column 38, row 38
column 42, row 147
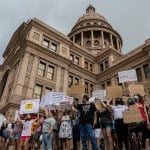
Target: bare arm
column 96, row 106
column 74, row 109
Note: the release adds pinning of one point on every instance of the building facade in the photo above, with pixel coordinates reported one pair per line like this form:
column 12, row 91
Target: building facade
column 39, row 59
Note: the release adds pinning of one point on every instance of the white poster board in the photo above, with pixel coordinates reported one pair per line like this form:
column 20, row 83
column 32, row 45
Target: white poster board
column 29, row 106
column 16, row 115
column 126, row 76
column 43, row 102
column 99, row 94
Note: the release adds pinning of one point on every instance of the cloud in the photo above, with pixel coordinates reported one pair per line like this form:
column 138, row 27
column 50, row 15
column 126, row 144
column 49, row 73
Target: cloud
column 129, row 18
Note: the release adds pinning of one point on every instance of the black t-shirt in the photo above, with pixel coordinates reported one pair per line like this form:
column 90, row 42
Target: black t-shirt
column 106, row 116
column 86, row 113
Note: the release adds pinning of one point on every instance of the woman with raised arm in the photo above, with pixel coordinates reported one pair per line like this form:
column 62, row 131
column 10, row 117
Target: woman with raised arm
column 107, row 124
column 121, row 128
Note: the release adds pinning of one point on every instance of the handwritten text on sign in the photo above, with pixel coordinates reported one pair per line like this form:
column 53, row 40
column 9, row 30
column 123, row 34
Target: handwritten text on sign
column 128, row 75
column 99, row 94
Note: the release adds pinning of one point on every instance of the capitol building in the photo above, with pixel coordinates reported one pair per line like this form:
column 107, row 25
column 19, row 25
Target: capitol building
column 39, row 59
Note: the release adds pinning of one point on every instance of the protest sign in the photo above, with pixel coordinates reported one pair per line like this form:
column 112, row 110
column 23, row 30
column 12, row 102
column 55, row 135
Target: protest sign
column 29, row 106
column 114, row 92
column 136, row 88
column 126, row 76
column 43, row 102
column 77, row 89
column 132, row 115
column 99, row 94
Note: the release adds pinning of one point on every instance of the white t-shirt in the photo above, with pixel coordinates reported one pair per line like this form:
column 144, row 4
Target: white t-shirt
column 118, row 111
column 27, row 126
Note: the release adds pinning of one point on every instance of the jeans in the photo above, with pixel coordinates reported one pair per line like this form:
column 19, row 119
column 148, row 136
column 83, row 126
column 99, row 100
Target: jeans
column 86, row 130
column 47, row 141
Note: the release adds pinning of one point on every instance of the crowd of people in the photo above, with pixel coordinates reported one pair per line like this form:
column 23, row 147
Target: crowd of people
column 97, row 128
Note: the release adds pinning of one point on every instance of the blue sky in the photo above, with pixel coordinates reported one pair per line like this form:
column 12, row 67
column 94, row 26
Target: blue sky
column 129, row 17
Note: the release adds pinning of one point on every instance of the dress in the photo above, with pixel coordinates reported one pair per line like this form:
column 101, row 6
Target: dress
column 65, row 127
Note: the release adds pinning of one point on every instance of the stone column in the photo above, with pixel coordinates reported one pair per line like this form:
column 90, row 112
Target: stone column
column 30, row 88
column 21, row 75
column 113, row 81
column 6, row 93
column 92, row 39
column 102, row 35
column 58, row 77
column 82, row 61
column 143, row 73
column 82, row 39
column 118, row 47
column 65, row 86
column 111, row 40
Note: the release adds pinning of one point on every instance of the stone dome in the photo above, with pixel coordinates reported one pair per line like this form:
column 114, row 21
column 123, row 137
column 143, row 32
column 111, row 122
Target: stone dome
column 93, row 31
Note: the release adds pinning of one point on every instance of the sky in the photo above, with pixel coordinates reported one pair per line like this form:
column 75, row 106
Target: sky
column 130, row 18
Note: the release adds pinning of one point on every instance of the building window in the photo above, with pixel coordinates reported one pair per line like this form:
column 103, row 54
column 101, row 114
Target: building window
column 47, row 90
column 91, row 89
column 86, row 88
column 109, row 83
column 76, row 61
column 139, row 74
column 41, row 69
column 86, row 65
column 146, row 71
column 46, row 43
column 103, row 86
column 91, row 67
column 106, row 64
column 38, row 91
column 50, row 72
column 76, row 81
column 70, row 81
column 72, row 57
column 53, row 47
column 101, row 67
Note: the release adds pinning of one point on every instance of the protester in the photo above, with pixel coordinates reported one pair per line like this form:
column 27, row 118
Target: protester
column 107, row 123
column 17, row 132
column 65, row 131
column 26, row 132
column 75, row 130
column 121, row 128
column 47, row 130
column 86, row 118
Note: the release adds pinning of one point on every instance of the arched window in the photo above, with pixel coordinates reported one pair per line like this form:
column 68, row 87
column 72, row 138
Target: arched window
column 96, row 42
column 88, row 43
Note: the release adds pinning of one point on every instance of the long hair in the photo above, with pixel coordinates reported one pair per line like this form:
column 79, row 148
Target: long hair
column 140, row 98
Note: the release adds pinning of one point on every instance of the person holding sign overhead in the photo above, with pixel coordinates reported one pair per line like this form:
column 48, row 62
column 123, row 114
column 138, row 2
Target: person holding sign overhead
column 86, row 118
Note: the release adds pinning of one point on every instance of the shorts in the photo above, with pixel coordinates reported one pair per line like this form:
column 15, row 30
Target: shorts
column 97, row 133
column 17, row 136
column 23, row 138
column 107, row 125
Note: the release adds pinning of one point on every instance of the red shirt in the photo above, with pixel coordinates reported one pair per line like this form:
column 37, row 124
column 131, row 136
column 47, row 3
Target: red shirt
column 141, row 109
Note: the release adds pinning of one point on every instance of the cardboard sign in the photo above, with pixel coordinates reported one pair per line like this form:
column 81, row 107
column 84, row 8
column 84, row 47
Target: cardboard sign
column 132, row 115
column 126, row 76
column 99, row 94
column 43, row 102
column 77, row 89
column 136, row 88
column 114, row 92
column 29, row 106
